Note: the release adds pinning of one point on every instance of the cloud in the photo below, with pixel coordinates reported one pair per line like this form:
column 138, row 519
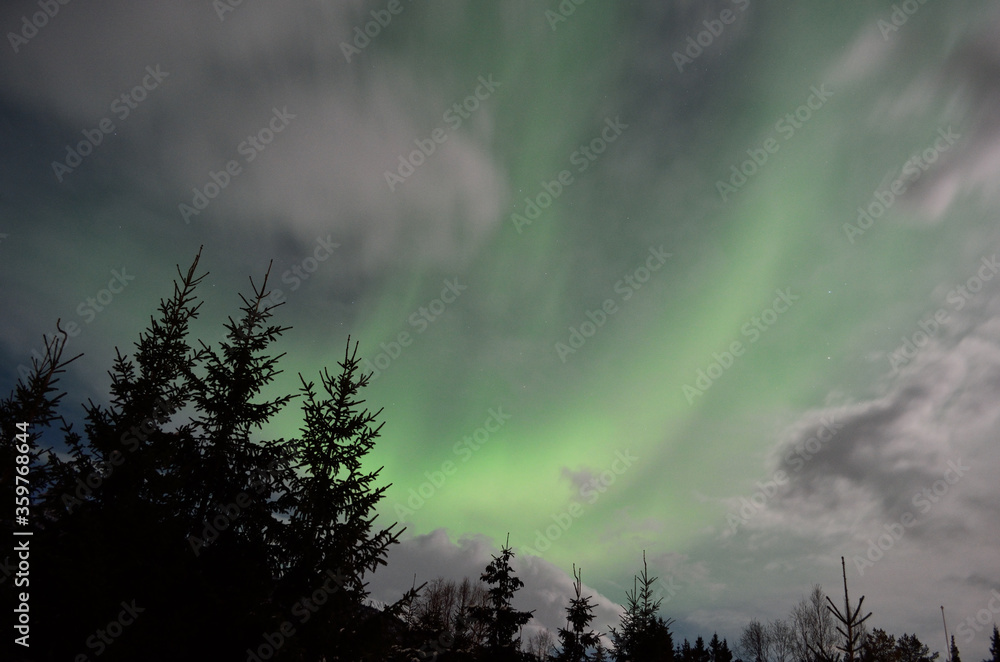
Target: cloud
column 938, row 411
column 547, row 588
column 579, row 479
column 904, row 487
column 961, row 82
column 324, row 172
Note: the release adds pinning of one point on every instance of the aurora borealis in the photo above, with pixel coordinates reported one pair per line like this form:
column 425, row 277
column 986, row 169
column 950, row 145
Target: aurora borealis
column 711, row 280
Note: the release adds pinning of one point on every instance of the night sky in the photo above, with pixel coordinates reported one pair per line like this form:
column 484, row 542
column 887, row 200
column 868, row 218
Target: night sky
column 713, row 280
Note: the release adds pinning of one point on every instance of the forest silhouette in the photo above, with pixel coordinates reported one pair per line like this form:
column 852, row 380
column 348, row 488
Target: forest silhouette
column 166, row 529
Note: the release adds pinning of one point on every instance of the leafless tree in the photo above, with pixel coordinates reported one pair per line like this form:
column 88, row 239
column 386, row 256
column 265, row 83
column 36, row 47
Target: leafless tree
column 540, row 645
column 782, row 641
column 815, row 629
column 435, row 607
column 444, row 607
column 755, row 642
column 470, row 594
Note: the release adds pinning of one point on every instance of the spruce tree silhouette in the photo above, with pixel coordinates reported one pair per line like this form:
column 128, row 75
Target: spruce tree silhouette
column 910, row 649
column 643, row 635
column 718, row 651
column 879, row 646
column 699, row 653
column 852, row 625
column 994, row 646
column 575, row 639
column 171, row 532
column 501, row 620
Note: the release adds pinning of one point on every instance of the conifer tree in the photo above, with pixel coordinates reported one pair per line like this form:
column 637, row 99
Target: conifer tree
column 684, row 653
column 33, row 404
column 994, row 646
column 642, row 633
column 499, row 617
column 699, row 653
column 850, row 627
column 879, row 647
column 217, row 537
column 575, row 639
column 718, row 651
column 910, row 649
column 714, row 647
column 955, row 657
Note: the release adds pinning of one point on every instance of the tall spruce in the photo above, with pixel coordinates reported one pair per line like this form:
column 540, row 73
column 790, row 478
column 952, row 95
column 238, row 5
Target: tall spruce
column 699, row 653
column 910, row 649
column 718, row 651
column 499, row 617
column 994, row 646
column 850, row 627
column 171, row 501
column 879, row 646
column 642, row 633
column 577, row 638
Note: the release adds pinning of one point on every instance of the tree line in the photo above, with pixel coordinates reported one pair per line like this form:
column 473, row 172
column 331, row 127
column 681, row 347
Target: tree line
column 165, row 528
